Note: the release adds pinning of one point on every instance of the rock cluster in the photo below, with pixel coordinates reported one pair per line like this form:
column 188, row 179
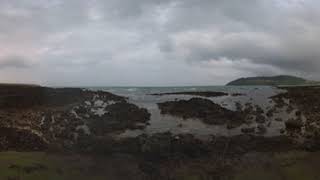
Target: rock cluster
column 196, row 93
column 307, row 100
column 120, row 116
column 60, row 117
column 203, row 109
column 20, row 140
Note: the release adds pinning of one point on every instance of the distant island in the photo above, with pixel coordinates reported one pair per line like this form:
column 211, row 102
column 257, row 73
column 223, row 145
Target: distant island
column 281, row 80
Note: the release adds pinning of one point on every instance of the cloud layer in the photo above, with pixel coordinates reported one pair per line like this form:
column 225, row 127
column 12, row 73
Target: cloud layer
column 156, row 42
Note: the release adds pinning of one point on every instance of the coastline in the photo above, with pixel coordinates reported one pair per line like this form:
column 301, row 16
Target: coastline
column 86, row 124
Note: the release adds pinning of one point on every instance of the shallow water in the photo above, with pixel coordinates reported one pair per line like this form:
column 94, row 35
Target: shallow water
column 256, row 95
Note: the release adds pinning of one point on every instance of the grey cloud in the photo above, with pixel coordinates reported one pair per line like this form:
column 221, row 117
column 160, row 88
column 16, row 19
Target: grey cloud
column 287, row 36
column 145, row 38
column 14, row 62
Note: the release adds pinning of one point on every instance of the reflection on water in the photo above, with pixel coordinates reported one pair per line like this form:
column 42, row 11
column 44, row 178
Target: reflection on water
column 162, row 123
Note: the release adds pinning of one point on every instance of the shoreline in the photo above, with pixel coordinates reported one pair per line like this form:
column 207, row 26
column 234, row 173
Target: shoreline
column 87, row 123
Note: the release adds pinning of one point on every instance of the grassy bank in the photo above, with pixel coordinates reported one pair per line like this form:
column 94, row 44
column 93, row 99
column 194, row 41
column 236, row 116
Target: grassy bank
column 39, row 166
column 294, row 165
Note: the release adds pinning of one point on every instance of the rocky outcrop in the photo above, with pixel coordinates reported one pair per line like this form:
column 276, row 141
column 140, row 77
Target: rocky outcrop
column 307, row 100
column 20, row 140
column 21, row 96
column 62, row 116
column 203, row 109
column 196, row 93
column 120, row 116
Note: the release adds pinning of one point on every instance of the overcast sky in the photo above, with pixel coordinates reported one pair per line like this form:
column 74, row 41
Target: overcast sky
column 156, row 42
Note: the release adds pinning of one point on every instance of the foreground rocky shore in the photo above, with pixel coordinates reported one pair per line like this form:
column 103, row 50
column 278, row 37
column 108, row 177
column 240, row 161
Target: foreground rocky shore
column 307, row 99
column 86, row 124
column 59, row 118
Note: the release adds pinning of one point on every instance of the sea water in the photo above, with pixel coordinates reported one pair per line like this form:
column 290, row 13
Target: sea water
column 256, row 95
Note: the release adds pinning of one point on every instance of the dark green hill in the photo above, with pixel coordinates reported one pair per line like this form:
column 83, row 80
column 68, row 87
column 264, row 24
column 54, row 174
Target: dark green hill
column 269, row 81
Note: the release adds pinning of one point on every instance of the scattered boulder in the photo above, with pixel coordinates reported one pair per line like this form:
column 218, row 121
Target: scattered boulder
column 260, row 119
column 261, row 129
column 259, row 110
column 282, row 131
column 294, row 124
column 270, row 113
column 248, row 130
column 248, row 108
column 290, row 109
column 298, row 113
column 238, row 106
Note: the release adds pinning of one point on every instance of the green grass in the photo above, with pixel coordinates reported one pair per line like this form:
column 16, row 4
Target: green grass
column 295, row 165
column 284, row 166
column 53, row 167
